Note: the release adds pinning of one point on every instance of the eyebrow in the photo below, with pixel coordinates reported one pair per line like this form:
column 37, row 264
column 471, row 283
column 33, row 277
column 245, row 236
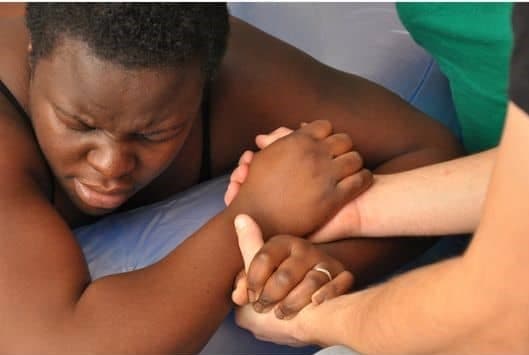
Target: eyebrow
column 145, row 131
column 168, row 129
column 66, row 112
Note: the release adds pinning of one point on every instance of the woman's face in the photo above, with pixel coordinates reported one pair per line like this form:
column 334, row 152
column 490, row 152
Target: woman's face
column 105, row 131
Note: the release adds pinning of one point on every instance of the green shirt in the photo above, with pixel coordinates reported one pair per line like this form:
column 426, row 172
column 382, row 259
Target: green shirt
column 472, row 44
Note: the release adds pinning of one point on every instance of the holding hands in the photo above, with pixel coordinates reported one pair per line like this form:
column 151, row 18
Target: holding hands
column 286, row 273
column 335, row 223
column 291, row 187
column 281, row 277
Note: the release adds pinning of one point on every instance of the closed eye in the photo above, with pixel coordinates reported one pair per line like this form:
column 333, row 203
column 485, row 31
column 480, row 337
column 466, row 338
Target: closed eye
column 162, row 135
column 79, row 126
column 72, row 122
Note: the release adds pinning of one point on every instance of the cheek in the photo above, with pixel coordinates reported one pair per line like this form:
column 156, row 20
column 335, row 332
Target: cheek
column 155, row 159
column 162, row 156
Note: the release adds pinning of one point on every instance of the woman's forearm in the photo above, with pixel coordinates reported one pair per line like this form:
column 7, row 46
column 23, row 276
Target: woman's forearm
column 440, row 199
column 172, row 306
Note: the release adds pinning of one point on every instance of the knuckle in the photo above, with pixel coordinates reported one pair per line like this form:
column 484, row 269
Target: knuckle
column 331, row 289
column 324, row 124
column 322, row 127
column 303, row 246
column 262, row 257
column 278, row 239
column 344, row 138
column 351, row 165
column 313, row 280
column 357, row 158
column 303, row 141
column 284, row 277
column 348, row 139
column 301, row 249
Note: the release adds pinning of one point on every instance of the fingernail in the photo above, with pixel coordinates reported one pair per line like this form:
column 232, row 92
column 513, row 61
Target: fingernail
column 279, row 313
column 240, row 222
column 259, row 306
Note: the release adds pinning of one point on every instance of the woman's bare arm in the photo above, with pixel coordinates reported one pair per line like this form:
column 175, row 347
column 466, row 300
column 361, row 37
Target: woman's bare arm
column 265, row 83
column 49, row 304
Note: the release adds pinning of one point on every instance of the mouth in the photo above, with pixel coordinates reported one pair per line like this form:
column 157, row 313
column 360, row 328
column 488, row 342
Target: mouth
column 97, row 197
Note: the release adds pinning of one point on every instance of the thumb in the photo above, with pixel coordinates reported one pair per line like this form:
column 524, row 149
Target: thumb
column 336, row 229
column 250, row 238
column 239, row 295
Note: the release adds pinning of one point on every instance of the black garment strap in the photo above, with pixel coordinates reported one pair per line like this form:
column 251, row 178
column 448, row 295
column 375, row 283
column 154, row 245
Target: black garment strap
column 18, row 107
column 12, row 99
column 205, row 168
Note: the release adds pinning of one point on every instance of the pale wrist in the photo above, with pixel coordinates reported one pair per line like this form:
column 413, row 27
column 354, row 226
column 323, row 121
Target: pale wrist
column 368, row 209
column 305, row 329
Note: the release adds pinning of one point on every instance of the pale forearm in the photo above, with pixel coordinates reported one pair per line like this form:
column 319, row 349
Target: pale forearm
column 371, row 259
column 419, row 312
column 474, row 304
column 440, row 199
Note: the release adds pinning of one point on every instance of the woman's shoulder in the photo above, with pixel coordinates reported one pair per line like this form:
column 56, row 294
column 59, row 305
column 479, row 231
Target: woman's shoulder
column 18, row 139
column 14, row 67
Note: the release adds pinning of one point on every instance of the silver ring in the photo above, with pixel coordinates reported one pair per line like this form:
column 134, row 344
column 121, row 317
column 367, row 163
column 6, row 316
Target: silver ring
column 324, row 271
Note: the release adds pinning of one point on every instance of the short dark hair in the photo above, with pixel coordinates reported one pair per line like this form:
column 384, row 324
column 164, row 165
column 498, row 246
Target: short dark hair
column 134, row 35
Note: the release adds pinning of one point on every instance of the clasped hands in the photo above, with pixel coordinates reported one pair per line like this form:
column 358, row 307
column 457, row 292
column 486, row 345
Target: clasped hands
column 284, row 274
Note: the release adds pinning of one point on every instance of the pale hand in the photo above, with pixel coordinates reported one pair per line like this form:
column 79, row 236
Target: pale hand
column 266, row 327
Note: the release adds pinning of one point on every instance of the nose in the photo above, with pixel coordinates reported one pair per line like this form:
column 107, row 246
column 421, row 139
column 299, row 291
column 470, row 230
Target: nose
column 112, row 159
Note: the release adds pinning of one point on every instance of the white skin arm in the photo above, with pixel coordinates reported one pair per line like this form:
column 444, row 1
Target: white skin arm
column 438, row 199
column 417, row 202
column 472, row 304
